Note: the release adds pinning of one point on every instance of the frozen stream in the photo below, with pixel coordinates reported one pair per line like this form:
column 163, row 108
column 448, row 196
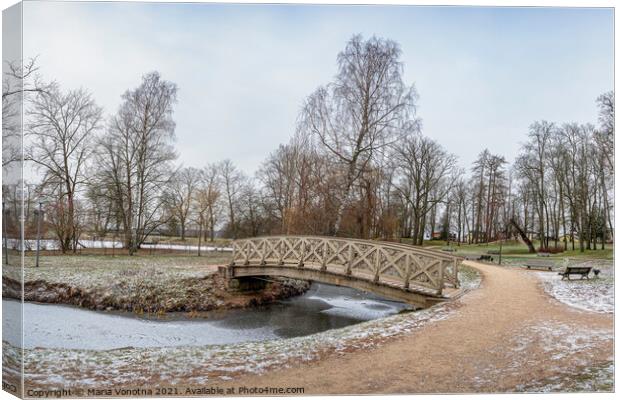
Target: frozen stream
column 322, row 308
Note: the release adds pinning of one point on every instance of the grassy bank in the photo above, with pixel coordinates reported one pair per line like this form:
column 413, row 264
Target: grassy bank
column 141, row 284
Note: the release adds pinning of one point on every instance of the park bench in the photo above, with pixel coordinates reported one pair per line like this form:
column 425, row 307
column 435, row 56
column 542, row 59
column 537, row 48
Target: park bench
column 539, row 264
column 485, row 257
column 583, row 271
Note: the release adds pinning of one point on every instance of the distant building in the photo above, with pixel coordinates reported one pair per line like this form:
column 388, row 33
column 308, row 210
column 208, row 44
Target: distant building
column 440, row 236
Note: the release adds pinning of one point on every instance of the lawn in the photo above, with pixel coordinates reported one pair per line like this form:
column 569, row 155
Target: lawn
column 516, row 248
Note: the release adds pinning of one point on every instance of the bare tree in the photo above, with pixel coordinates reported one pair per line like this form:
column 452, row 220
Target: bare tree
column 135, row 157
column 604, row 141
column 564, row 177
column 460, row 192
column 101, row 212
column 606, row 118
column 208, row 199
column 532, row 164
column 278, row 175
column 20, row 82
column 424, row 168
column 60, row 130
column 232, row 182
column 250, row 219
column 367, row 107
column 180, row 195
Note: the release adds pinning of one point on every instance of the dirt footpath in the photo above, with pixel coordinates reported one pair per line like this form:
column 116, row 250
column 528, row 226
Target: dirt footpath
column 506, row 336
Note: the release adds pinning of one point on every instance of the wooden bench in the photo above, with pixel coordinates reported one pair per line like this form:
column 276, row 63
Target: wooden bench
column 583, row 271
column 539, row 264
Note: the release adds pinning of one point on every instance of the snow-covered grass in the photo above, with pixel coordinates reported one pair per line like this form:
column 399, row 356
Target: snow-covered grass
column 589, row 379
column 563, row 353
column 132, row 283
column 469, row 278
column 146, row 283
column 206, row 364
column 560, row 342
column 92, row 270
column 594, row 294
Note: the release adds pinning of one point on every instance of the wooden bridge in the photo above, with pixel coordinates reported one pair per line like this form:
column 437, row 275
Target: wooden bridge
column 409, row 273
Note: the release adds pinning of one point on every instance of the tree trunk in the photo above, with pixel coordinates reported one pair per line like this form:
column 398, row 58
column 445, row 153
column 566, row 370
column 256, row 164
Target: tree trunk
column 345, row 197
column 523, row 235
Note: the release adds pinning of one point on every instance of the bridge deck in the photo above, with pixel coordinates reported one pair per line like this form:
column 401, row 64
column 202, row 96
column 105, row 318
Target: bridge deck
column 395, row 270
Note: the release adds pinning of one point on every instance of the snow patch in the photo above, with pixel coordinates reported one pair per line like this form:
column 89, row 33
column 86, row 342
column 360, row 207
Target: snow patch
column 595, row 294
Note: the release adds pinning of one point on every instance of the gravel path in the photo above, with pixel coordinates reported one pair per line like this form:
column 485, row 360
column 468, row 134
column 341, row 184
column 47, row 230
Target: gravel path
column 507, row 336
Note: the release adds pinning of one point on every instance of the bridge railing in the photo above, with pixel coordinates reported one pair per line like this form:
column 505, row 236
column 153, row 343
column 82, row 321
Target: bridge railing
column 393, row 264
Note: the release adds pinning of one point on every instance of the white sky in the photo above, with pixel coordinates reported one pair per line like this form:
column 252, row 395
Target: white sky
column 483, row 74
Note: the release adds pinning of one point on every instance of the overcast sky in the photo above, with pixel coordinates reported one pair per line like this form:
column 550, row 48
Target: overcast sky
column 483, row 74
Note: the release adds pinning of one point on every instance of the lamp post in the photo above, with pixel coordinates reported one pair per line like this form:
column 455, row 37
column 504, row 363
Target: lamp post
column 500, row 251
column 6, row 247
column 501, row 243
column 39, row 218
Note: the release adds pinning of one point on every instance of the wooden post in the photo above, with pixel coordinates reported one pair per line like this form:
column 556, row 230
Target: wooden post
column 440, row 283
column 377, row 264
column 456, row 273
column 408, row 271
column 350, row 260
column 302, row 253
column 234, row 253
column 247, row 252
column 324, row 258
column 263, row 252
column 280, row 253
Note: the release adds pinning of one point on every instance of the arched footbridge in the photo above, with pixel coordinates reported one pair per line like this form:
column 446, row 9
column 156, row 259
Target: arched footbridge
column 416, row 275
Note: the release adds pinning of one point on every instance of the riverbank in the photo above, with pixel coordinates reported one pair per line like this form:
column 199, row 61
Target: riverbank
column 139, row 284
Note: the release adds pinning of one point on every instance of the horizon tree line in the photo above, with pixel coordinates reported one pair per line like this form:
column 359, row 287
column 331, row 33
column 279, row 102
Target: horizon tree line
column 358, row 165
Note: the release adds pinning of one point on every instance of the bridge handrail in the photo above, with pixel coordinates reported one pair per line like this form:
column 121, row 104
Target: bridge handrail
column 421, row 249
column 418, row 249
column 384, row 262
column 452, row 278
